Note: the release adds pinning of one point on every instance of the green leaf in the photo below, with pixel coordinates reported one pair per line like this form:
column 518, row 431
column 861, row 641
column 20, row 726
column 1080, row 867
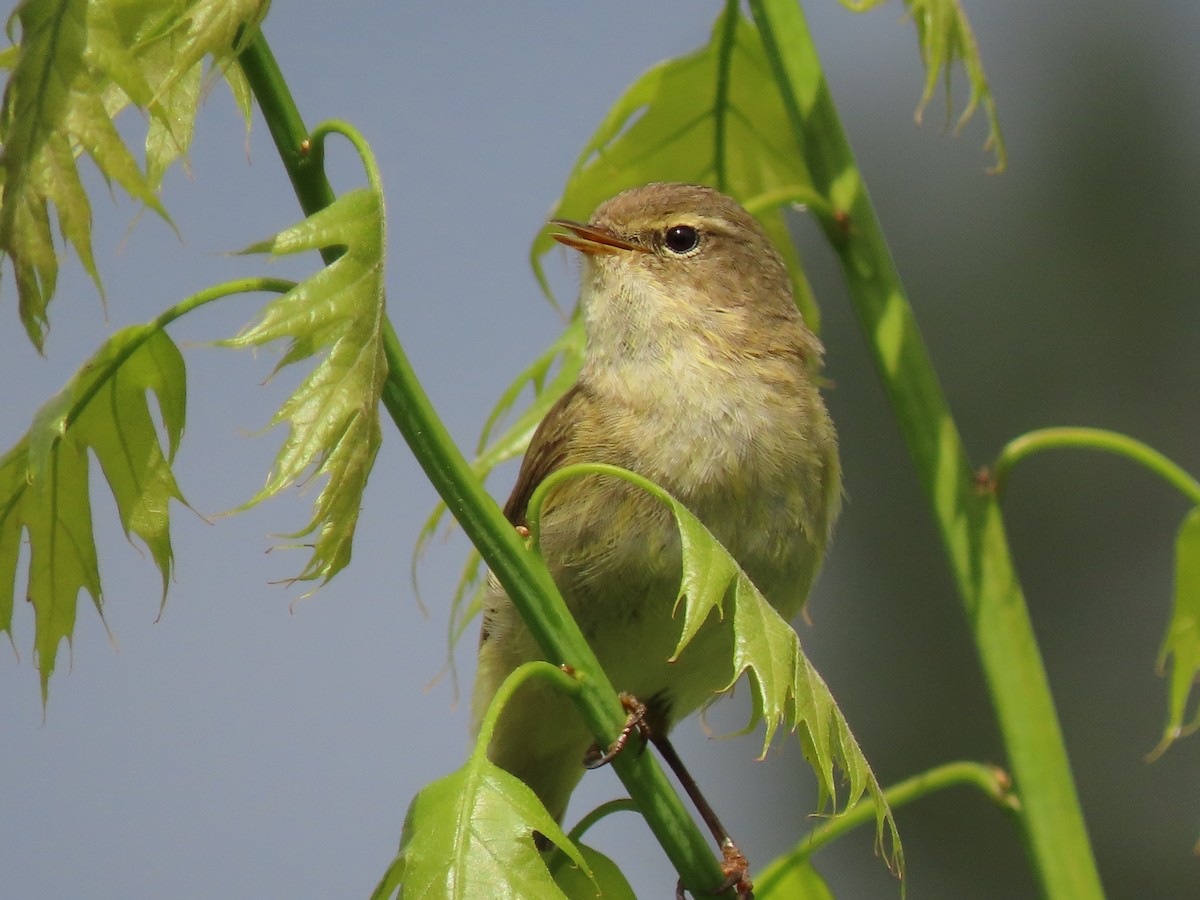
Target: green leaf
column 606, row 881
column 785, row 879
column 945, row 37
column 470, row 835
column 1182, row 642
column 44, row 483
column 333, row 416
column 76, row 66
column 787, row 691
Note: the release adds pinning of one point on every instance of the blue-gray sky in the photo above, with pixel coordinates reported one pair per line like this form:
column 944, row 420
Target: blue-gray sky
column 251, row 745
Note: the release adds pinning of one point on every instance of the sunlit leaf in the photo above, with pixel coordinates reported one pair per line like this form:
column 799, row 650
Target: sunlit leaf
column 44, row 483
column 76, row 65
column 946, row 38
column 333, row 416
column 470, row 835
column 1182, row 643
column 787, row 690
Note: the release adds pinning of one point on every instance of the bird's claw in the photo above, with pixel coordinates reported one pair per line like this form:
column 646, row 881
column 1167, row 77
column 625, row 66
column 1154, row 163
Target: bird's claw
column 737, row 874
column 635, row 720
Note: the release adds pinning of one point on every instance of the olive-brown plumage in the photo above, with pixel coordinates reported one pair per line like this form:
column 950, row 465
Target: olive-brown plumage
column 700, row 374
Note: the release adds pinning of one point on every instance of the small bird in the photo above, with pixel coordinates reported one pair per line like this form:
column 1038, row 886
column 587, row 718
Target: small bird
column 700, row 374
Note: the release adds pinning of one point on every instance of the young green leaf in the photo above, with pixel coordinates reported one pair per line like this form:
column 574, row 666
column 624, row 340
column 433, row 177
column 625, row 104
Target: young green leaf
column 77, row 64
column 44, row 483
column 470, row 835
column 945, row 37
column 1182, row 642
column 787, row 691
column 333, row 416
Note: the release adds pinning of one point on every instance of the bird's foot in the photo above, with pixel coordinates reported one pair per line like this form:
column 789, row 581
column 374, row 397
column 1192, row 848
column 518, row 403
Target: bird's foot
column 635, row 721
column 737, row 874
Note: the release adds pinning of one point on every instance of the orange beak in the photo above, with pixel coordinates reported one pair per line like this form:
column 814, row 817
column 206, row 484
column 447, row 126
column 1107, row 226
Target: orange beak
column 590, row 239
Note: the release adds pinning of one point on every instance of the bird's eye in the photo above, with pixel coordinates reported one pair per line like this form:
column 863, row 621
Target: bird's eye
column 682, row 239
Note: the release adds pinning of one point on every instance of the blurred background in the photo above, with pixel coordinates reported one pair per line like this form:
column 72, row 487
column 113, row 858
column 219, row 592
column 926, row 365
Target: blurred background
column 253, row 743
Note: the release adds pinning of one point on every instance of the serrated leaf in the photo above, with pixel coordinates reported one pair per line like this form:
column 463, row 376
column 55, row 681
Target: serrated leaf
column 333, row 416
column 712, row 117
column 945, row 38
column 1182, row 642
column 77, row 64
column 44, row 480
column 470, row 835
column 786, row 689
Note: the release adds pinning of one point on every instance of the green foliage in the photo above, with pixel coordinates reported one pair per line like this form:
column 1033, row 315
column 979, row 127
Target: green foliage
column 787, row 690
column 471, row 834
column 77, row 64
column 945, row 37
column 1182, row 643
column 333, row 416
column 600, row 880
column 44, row 483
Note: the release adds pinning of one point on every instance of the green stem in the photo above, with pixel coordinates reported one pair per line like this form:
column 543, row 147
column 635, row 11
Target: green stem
column 622, row 804
column 305, row 164
column 165, row 318
column 1092, row 439
column 992, row 782
column 526, row 581
column 568, row 684
column 729, row 22
column 970, row 522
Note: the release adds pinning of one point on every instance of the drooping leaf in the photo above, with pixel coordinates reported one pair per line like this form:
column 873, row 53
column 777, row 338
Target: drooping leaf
column 44, row 483
column 1182, row 642
column 333, row 416
column 77, row 64
column 945, row 38
column 470, row 835
column 787, row 690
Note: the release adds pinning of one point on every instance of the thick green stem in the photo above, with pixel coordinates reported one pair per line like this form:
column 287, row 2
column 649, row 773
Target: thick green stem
column 969, row 520
column 1092, row 439
column 526, row 581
